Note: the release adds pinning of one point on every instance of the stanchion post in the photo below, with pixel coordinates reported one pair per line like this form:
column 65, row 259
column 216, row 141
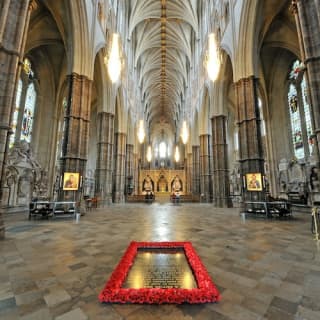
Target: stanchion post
column 316, row 222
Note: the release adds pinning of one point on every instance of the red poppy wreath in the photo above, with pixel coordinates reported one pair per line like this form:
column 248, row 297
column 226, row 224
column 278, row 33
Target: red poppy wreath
column 205, row 292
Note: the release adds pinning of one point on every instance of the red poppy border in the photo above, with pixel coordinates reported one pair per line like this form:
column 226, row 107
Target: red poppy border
column 206, row 291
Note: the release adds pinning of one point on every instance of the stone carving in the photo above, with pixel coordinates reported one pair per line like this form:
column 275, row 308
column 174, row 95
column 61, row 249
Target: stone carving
column 292, row 181
column 314, row 179
column 283, row 177
column 24, row 177
column 235, row 181
column 176, row 184
column 148, row 184
column 314, row 185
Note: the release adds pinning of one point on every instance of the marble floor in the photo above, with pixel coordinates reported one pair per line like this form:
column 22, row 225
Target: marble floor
column 264, row 269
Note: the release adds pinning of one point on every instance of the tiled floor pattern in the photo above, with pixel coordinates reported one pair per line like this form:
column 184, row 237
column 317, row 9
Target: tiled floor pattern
column 265, row 269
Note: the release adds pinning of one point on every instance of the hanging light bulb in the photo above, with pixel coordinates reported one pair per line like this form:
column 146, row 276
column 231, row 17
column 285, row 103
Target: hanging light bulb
column 114, row 62
column 213, row 60
column 141, row 133
column 149, row 154
column 177, row 154
column 184, row 132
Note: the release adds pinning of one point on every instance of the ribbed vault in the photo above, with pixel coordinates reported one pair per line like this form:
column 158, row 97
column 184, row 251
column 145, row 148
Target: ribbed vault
column 162, row 31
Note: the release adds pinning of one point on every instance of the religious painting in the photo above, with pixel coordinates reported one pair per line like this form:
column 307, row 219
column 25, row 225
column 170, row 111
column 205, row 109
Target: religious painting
column 71, row 181
column 254, row 181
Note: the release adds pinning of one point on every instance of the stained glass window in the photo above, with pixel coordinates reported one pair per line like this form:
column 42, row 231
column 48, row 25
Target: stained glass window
column 28, row 114
column 297, row 94
column 296, row 69
column 262, row 123
column 307, row 113
column 163, row 150
column 62, row 126
column 236, row 140
column 295, row 122
column 28, row 68
column 16, row 113
column 156, row 152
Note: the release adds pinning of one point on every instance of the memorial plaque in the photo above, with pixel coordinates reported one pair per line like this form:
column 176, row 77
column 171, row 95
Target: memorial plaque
column 160, row 268
column 157, row 273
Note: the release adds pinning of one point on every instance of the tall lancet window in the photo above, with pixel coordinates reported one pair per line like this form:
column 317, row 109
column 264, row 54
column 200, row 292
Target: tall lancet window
column 299, row 111
column 26, row 99
column 61, row 129
column 28, row 114
column 16, row 113
column 163, row 150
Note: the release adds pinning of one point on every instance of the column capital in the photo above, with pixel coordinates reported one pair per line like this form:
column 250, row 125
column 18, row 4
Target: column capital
column 248, row 79
column 80, row 77
column 294, row 7
column 106, row 113
column 32, row 5
column 218, row 116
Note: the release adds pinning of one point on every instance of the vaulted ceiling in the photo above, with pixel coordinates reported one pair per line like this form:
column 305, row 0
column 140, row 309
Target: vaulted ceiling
column 162, row 32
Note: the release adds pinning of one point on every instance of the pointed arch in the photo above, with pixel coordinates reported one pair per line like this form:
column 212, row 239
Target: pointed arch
column 246, row 63
column 79, row 48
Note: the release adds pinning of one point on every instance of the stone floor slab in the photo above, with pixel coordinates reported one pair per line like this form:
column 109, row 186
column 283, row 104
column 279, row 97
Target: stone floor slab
column 56, row 268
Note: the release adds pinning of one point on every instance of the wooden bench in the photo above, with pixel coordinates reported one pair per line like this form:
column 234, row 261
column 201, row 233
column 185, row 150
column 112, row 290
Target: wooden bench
column 40, row 208
column 268, row 208
column 52, row 208
column 64, row 208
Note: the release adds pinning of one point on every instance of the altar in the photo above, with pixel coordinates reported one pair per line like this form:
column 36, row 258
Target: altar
column 162, row 181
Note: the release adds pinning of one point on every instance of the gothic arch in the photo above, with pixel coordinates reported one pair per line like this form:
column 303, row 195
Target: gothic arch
column 80, row 57
column 247, row 52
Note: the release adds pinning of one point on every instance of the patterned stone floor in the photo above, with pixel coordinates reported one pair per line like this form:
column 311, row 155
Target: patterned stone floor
column 265, row 269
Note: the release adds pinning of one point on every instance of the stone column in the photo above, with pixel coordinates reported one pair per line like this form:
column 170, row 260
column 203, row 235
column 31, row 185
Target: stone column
column 196, row 170
column 136, row 173
column 103, row 187
column 210, row 159
column 120, row 161
column 14, row 24
column 205, row 167
column 76, row 132
column 129, row 167
column 189, row 173
column 221, row 190
column 308, row 24
column 250, row 142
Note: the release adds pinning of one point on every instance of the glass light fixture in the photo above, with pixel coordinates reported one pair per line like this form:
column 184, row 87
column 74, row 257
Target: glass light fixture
column 114, row 62
column 141, row 133
column 184, row 132
column 177, row 154
column 149, row 154
column 213, row 59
